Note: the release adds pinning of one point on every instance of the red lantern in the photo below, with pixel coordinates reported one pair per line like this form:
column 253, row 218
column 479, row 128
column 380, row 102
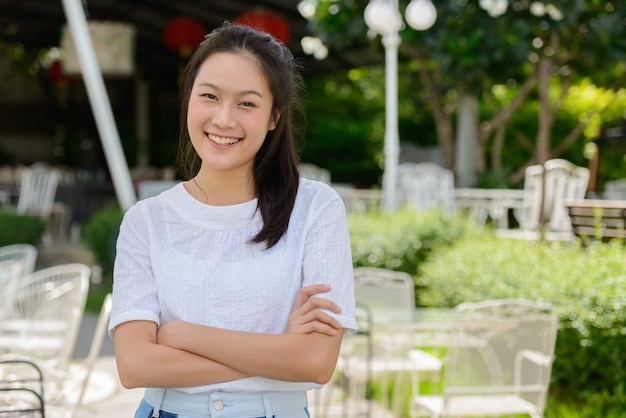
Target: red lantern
column 183, row 35
column 268, row 22
column 56, row 74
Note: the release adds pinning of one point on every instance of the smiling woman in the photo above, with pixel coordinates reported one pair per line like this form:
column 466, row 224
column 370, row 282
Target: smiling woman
column 236, row 285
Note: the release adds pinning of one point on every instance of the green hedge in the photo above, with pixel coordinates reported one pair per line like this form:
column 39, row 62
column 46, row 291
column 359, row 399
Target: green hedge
column 20, row 229
column 402, row 240
column 586, row 285
column 100, row 235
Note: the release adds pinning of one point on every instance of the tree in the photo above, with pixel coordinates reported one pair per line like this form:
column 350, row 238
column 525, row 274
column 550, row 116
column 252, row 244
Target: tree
column 476, row 44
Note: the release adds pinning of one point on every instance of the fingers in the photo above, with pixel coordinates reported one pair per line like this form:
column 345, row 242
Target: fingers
column 319, row 303
column 317, row 321
column 308, row 291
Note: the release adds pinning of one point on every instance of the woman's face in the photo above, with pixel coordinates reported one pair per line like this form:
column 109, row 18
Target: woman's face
column 230, row 112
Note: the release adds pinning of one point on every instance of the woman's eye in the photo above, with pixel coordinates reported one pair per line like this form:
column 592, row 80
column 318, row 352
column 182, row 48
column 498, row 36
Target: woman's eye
column 248, row 104
column 209, row 96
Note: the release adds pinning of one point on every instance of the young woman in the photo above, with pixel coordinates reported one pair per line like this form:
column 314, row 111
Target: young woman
column 232, row 290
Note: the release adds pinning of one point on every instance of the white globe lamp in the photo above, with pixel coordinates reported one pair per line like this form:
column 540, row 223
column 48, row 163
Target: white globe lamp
column 421, row 14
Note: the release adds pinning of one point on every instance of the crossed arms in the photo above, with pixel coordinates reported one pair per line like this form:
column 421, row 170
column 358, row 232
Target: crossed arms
column 183, row 354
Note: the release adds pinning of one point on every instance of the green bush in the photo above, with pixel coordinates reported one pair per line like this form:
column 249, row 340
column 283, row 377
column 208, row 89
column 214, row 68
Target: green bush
column 100, row 235
column 586, row 285
column 20, row 229
column 402, row 240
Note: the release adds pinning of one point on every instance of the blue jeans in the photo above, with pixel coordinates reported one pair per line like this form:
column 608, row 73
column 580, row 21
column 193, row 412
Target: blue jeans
column 177, row 404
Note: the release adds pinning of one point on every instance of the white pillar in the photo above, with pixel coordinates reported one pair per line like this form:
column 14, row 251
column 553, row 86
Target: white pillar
column 100, row 105
column 391, row 41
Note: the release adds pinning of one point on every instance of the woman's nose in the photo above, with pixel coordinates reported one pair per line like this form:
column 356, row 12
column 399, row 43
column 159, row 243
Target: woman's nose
column 223, row 116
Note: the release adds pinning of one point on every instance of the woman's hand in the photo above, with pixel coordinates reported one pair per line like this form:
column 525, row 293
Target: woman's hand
column 307, row 315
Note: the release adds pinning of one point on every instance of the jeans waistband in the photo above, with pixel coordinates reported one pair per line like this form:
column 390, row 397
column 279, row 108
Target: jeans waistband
column 225, row 404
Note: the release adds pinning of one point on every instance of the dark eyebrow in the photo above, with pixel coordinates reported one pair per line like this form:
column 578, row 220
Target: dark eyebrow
column 241, row 93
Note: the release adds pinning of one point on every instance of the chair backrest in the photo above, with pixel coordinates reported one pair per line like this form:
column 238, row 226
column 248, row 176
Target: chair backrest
column 563, row 180
column 38, row 188
column 426, row 186
column 46, row 312
column 615, row 189
column 313, row 172
column 26, row 253
column 384, row 292
column 10, row 273
column 501, row 347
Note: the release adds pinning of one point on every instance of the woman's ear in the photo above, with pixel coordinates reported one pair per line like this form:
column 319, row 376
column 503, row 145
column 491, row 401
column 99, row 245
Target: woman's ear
column 274, row 121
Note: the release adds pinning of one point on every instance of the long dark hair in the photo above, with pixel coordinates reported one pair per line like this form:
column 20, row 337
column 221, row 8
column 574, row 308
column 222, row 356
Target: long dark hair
column 275, row 168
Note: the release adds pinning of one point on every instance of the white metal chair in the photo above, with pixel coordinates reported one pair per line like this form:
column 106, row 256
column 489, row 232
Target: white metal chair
column 499, row 364
column 354, row 360
column 16, row 260
column 42, row 321
column 387, row 293
column 37, row 194
column 38, row 188
column 615, row 189
column 563, row 180
column 313, row 172
column 26, row 253
column 10, row 273
column 21, row 389
column 384, row 290
column 426, row 186
column 69, row 387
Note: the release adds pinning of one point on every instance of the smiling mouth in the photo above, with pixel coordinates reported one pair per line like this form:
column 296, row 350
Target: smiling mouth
column 220, row 140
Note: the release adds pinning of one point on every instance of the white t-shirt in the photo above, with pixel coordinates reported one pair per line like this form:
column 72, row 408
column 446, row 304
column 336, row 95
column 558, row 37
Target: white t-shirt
column 178, row 258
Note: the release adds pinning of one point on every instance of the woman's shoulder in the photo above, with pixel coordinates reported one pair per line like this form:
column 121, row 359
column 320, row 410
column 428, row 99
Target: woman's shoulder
column 318, row 193
column 153, row 204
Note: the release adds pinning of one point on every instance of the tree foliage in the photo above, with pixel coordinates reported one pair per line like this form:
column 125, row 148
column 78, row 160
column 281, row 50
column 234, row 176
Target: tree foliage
column 473, row 45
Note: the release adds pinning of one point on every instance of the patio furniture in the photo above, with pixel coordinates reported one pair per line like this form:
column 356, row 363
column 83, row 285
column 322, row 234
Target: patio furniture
column 41, row 322
column 16, row 261
column 543, row 213
column 21, row 389
column 26, row 253
column 10, row 273
column 597, row 219
column 615, row 189
column 37, row 197
column 357, row 200
column 67, row 388
column 386, row 294
column 354, row 358
column 37, row 190
column 506, row 368
column 489, row 204
column 313, row 172
column 426, row 186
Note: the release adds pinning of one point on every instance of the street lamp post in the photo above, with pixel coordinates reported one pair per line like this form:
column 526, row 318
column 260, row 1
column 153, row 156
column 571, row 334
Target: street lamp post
column 383, row 17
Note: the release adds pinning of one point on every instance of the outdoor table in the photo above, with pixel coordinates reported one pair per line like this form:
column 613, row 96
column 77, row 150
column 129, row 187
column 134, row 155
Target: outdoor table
column 410, row 344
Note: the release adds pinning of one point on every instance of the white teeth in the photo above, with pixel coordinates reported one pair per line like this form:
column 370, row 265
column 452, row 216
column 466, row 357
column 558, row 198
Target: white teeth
column 222, row 141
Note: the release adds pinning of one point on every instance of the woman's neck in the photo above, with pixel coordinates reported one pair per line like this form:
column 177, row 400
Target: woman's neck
column 221, row 189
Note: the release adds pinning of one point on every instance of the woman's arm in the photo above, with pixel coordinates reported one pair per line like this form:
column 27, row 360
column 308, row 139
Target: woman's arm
column 307, row 351
column 141, row 362
column 137, row 351
column 291, row 357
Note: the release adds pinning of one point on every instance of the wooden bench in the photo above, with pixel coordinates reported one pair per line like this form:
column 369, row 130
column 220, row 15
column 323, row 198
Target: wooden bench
column 597, row 218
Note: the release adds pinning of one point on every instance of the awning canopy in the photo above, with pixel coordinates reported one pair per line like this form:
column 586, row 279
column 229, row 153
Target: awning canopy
column 38, row 23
